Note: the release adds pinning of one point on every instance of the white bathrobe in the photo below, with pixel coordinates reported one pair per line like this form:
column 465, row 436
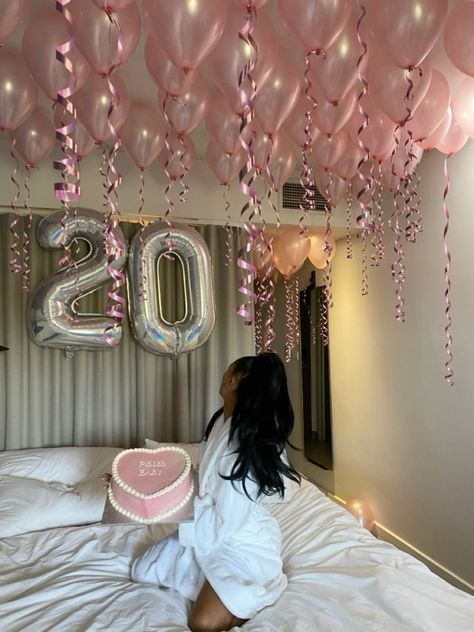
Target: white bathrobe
column 233, row 542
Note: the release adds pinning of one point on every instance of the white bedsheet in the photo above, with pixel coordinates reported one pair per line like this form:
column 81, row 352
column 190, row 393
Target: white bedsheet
column 340, row 578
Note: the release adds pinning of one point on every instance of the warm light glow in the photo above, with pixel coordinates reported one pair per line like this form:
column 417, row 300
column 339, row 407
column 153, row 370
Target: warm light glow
column 145, row 133
column 418, row 11
column 33, row 132
column 104, row 100
column 344, row 48
column 192, row 6
column 8, row 86
column 277, row 83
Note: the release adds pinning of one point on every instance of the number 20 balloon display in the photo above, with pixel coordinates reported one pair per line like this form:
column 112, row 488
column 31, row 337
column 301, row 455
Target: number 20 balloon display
column 52, row 317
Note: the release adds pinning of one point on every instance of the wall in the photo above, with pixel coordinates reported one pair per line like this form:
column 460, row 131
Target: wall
column 403, row 438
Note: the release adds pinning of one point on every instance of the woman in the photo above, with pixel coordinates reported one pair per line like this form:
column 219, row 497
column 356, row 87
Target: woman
column 228, row 559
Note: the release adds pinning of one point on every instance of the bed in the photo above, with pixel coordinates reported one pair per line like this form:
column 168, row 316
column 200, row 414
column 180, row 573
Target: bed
column 74, row 577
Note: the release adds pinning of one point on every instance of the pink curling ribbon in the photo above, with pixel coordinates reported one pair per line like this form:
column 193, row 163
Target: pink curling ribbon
column 327, row 245
column 142, row 284
column 397, row 266
column 349, row 220
column 364, row 219
column 258, row 319
column 183, row 194
column 170, row 179
column 15, row 261
column 114, row 247
column 228, row 230
column 378, row 234
column 290, row 339
column 297, row 320
column 26, row 269
column 247, row 173
column 418, row 215
column 447, row 330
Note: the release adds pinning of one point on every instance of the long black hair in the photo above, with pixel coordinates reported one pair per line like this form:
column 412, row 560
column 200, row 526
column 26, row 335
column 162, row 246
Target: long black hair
column 262, row 421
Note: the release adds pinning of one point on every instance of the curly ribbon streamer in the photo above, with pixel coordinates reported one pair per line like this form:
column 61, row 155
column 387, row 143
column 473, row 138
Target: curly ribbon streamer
column 247, row 174
column 327, row 293
column 349, row 220
column 228, row 229
column 312, row 326
column 364, row 219
column 258, row 318
column 297, row 317
column 377, row 240
column 291, row 334
column 418, row 215
column 397, row 266
column 114, row 247
column 183, row 194
column 269, row 300
column 142, row 223
column 15, row 261
column 170, row 179
column 447, row 330
column 26, row 269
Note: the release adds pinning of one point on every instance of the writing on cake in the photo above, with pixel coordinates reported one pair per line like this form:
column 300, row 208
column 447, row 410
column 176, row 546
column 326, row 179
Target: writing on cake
column 151, row 467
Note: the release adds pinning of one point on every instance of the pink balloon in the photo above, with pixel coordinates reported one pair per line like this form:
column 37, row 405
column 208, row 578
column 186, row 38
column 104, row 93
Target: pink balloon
column 315, row 24
column 388, row 85
column 330, row 186
column 97, row 36
column 347, row 165
column 290, row 250
column 263, row 146
column 92, row 102
column 453, row 140
column 188, row 110
column 463, row 106
column 329, row 118
column 111, row 6
column 143, row 134
column 336, row 73
column 84, row 141
column 225, row 166
column 223, row 125
column 12, row 14
column 231, row 54
column 165, row 74
column 187, row 31
column 328, row 149
column 34, row 138
column 440, row 132
column 182, row 157
column 458, row 39
column 278, row 95
column 282, row 163
column 378, row 136
column 406, row 30
column 432, row 109
column 296, row 122
column 18, row 91
column 317, row 252
column 42, row 36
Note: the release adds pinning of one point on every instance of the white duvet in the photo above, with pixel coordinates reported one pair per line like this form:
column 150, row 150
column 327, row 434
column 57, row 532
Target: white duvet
column 76, row 579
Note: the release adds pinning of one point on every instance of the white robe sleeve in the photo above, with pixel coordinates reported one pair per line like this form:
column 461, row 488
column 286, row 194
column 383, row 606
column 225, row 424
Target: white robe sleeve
column 220, row 513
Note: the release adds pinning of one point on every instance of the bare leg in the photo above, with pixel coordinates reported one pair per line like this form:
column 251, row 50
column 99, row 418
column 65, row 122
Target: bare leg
column 209, row 613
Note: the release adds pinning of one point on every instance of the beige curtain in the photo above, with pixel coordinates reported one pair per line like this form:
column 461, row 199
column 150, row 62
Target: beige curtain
column 115, row 397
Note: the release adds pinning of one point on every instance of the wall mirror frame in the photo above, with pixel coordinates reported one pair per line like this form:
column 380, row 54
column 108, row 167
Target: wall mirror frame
column 317, row 416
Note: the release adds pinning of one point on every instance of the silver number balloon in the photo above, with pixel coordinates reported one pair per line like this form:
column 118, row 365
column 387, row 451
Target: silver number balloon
column 152, row 331
column 52, row 317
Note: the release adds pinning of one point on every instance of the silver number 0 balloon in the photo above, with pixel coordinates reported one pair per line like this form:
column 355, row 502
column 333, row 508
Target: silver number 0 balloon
column 52, row 317
column 152, row 331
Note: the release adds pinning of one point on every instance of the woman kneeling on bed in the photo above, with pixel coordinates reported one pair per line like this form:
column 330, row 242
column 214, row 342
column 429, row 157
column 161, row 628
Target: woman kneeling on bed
column 228, row 560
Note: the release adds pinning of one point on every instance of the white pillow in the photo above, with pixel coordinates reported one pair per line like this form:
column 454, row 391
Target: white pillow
column 191, row 448
column 52, row 487
column 64, row 465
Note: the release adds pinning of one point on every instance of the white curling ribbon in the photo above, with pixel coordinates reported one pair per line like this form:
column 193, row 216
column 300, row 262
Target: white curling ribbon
column 145, row 292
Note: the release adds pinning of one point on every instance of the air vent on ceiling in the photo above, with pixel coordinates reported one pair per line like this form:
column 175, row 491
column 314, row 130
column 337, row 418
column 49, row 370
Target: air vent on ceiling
column 291, row 197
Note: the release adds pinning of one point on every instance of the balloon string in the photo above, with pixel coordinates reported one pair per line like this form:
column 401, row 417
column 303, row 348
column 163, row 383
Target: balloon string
column 170, row 179
column 378, row 234
column 114, row 246
column 312, row 326
column 183, row 194
column 364, row 219
column 258, row 318
column 142, row 284
column 247, row 90
column 269, row 298
column 447, row 330
column 349, row 220
column 26, row 272
column 297, row 317
column 418, row 219
column 290, row 339
column 365, row 278
column 69, row 190
column 397, row 266
column 306, row 179
column 228, row 229
column 15, row 261
column 327, row 293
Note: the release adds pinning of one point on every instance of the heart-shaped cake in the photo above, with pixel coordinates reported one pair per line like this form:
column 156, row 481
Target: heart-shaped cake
column 151, row 485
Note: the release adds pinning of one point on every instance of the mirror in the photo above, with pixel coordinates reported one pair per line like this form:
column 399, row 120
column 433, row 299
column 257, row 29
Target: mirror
column 316, row 379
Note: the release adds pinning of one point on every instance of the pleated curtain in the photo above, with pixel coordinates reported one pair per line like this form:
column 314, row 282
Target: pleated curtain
column 113, row 397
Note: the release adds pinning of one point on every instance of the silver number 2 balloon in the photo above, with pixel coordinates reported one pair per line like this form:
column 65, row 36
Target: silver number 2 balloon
column 152, row 331
column 52, row 317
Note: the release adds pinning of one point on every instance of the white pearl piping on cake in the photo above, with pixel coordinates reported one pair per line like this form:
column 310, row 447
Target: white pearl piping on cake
column 130, row 490
column 156, row 518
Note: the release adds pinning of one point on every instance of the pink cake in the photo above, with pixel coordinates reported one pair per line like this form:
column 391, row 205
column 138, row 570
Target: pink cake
column 151, row 485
